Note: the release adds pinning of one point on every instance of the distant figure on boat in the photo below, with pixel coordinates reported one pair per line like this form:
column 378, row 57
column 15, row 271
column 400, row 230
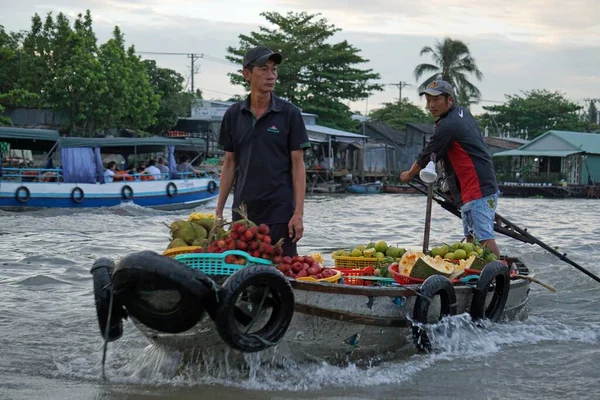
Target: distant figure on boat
column 109, row 173
column 152, row 170
column 162, row 167
column 186, row 168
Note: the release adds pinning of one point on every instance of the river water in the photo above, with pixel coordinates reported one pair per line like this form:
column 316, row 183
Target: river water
column 50, row 346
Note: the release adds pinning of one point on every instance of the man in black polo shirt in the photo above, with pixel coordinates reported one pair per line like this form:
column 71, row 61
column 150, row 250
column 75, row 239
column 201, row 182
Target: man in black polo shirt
column 468, row 165
column 264, row 139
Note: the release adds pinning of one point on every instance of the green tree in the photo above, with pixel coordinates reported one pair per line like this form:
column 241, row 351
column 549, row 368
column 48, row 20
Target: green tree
column 593, row 125
column 317, row 74
column 531, row 114
column 453, row 63
column 174, row 103
column 397, row 116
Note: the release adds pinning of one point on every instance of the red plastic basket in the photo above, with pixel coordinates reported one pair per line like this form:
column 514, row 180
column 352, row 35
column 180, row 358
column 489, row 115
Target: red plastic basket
column 349, row 273
column 407, row 280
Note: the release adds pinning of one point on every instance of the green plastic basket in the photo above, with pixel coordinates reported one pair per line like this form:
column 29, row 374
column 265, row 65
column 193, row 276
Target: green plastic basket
column 214, row 263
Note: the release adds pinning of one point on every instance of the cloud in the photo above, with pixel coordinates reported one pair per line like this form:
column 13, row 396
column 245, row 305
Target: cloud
column 513, row 45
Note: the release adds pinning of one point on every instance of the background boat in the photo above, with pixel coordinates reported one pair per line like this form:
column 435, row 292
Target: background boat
column 80, row 182
column 367, row 188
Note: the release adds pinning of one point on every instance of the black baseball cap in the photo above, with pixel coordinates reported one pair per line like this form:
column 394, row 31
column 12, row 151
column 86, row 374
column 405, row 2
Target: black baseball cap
column 259, row 56
column 438, row 87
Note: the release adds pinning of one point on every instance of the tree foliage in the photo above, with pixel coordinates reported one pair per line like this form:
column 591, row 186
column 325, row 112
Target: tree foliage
column 531, row 114
column 398, row 115
column 60, row 65
column 453, row 63
column 316, row 74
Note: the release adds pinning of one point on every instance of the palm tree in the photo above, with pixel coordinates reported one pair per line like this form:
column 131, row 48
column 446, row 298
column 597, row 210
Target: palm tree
column 453, row 63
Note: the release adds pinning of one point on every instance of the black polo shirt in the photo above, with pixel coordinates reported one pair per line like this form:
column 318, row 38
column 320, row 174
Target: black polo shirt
column 262, row 148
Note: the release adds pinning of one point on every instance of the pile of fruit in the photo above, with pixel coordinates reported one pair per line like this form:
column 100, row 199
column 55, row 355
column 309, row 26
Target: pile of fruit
column 450, row 261
column 304, row 266
column 378, row 250
column 193, row 232
column 203, row 232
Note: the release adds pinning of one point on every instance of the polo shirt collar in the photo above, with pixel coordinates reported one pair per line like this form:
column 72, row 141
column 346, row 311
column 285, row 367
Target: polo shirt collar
column 275, row 104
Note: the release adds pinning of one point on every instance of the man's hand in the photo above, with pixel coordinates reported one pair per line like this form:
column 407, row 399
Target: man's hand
column 219, row 217
column 296, row 228
column 405, row 177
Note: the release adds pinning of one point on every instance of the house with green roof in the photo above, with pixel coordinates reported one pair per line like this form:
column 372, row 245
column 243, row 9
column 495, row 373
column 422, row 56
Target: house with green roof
column 555, row 155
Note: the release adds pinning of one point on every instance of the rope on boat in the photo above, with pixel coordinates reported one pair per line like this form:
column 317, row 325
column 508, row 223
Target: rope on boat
column 532, row 279
column 106, row 330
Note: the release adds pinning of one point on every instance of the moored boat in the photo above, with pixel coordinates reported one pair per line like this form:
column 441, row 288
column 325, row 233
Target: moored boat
column 365, row 188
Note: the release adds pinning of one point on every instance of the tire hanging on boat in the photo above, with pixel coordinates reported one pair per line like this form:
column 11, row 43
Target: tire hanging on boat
column 163, row 293
column 171, row 189
column 234, row 324
column 493, row 273
column 127, row 192
column 103, row 291
column 22, row 199
column 77, row 195
column 212, row 186
column 434, row 285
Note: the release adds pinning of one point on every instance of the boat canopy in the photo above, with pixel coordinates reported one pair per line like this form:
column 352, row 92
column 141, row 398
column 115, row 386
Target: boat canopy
column 29, row 139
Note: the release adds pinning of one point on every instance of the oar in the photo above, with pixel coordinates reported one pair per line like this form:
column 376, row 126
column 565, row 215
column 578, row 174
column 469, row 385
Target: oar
column 508, row 228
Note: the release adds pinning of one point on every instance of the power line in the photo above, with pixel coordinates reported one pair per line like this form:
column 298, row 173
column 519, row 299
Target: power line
column 207, row 57
column 400, row 85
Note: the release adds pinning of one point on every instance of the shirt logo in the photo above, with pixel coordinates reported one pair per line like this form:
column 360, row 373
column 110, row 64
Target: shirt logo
column 460, row 113
column 273, row 129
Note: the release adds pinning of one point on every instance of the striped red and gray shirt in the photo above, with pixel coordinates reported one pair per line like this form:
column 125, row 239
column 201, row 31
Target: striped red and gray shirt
column 458, row 142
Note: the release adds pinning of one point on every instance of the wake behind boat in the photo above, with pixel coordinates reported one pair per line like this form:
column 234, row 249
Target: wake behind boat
column 80, row 182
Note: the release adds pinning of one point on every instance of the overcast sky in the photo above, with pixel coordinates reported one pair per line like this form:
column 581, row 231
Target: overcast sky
column 536, row 44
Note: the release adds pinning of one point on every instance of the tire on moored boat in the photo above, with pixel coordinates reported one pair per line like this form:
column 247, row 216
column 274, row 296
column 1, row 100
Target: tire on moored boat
column 232, row 323
column 493, row 273
column 434, row 285
column 25, row 198
column 163, row 293
column 103, row 291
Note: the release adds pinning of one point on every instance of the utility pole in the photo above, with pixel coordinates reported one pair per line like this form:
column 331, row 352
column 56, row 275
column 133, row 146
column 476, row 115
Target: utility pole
column 400, row 85
column 193, row 57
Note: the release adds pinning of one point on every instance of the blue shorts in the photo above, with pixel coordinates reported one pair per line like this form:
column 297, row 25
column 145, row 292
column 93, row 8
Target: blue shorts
column 478, row 217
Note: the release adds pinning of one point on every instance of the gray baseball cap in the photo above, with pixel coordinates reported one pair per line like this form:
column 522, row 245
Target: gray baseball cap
column 438, row 87
column 259, row 56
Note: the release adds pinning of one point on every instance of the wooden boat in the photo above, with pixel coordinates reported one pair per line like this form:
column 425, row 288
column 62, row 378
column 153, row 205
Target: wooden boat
column 332, row 322
column 79, row 183
column 365, row 188
column 399, row 189
column 339, row 323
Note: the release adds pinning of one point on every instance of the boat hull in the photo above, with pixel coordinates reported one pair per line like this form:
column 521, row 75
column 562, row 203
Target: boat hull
column 153, row 194
column 338, row 323
column 399, row 189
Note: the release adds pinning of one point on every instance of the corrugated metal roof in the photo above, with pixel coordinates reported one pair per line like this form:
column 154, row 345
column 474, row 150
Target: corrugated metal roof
column 539, row 153
column 333, row 132
column 588, row 142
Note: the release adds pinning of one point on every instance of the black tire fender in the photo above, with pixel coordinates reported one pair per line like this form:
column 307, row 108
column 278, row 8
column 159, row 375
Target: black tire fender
column 22, row 199
column 103, row 291
column 434, row 285
column 149, row 271
column 493, row 273
column 171, row 189
column 212, row 186
column 281, row 302
column 77, row 195
column 127, row 192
